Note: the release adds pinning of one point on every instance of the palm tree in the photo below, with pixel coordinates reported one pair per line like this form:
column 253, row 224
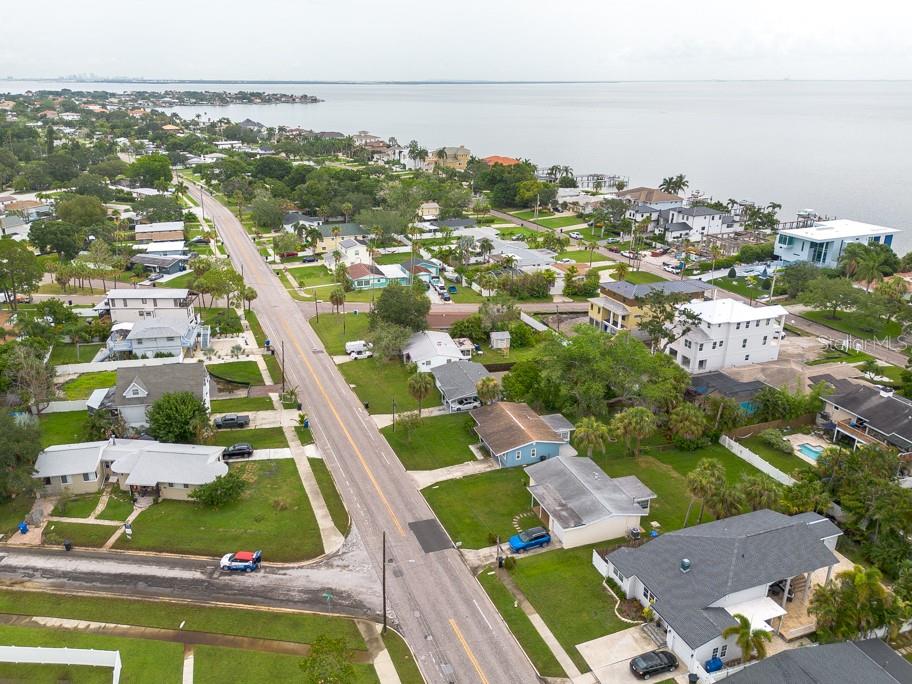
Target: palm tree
column 850, row 258
column 337, row 299
column 487, row 282
column 509, row 262
column 591, row 246
column 422, row 155
column 488, row 390
column 621, row 270
column 752, row 642
column 680, row 183
column 687, row 422
column 566, row 171
column 726, row 501
column 716, row 253
column 420, row 386
column 347, row 210
column 591, row 433
column 667, row 185
column 312, row 237
column 870, row 268
column 634, row 424
column 485, row 246
column 441, row 156
column 702, row 482
column 553, row 172
column 759, row 491
column 620, row 184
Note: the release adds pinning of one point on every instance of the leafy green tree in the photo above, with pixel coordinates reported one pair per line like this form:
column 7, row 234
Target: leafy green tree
column 634, row 425
column 591, row 434
column 796, row 276
column 223, row 490
column 271, row 167
column 404, row 306
column 687, row 422
column 703, row 482
column 830, row 294
column 102, row 425
column 57, row 237
column 758, row 491
column 176, row 417
column 808, row 493
column 854, row 606
column 20, row 270
column 285, row 243
column 663, row 321
column 32, row 377
column 329, row 662
column 82, row 210
column 151, row 170
column 752, row 642
column 488, row 390
column 267, row 213
column 420, row 386
column 158, row 208
column 388, row 340
column 21, row 446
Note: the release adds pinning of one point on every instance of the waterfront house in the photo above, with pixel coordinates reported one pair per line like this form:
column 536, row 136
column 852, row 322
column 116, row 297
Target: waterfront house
column 429, row 349
column 515, row 435
column 823, row 242
column 694, row 223
column 619, row 304
column 653, row 197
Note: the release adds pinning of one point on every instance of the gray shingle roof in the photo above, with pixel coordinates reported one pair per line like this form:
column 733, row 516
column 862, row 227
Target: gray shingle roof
column 698, row 211
column 729, row 555
column 891, row 416
column 629, row 290
column 159, row 380
column 459, row 379
column 848, row 662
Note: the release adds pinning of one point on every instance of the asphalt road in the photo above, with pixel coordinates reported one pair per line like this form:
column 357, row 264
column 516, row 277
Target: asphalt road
column 454, row 630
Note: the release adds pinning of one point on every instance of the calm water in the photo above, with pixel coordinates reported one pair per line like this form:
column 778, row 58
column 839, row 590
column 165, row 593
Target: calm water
column 841, row 148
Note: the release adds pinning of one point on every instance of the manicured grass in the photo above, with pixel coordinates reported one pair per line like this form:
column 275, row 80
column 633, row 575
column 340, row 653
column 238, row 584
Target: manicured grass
column 567, row 592
column 580, row 256
column 329, row 328
column 241, row 372
column 12, row 513
column 642, row 277
column 81, row 534
column 183, row 280
column 255, row 327
column 856, row 324
column 466, row 295
column 82, row 386
column 529, row 214
column 787, row 463
column 274, row 368
column 513, row 355
column 304, row 435
column 437, row 442
column 66, row 353
column 77, row 506
column 62, row 428
column 242, row 404
column 742, row 287
column 379, row 383
column 473, row 507
column 216, row 665
column 273, row 514
column 393, row 258
column 308, row 276
column 223, row 321
column 403, row 660
column 561, row 221
column 516, row 233
column 522, row 628
column 119, row 505
column 144, row 661
column 265, row 624
column 259, row 438
column 330, row 495
column 839, row 356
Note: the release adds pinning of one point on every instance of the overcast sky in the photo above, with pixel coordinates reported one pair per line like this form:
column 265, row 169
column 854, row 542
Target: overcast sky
column 459, row 39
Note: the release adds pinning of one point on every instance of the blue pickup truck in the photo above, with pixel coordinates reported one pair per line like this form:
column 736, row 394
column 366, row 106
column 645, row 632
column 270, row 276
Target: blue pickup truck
column 241, row 561
column 529, row 539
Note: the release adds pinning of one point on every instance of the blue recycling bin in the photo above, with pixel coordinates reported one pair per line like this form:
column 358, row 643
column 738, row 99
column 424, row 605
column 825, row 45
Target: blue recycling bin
column 714, row 665
column 23, row 527
column 306, row 422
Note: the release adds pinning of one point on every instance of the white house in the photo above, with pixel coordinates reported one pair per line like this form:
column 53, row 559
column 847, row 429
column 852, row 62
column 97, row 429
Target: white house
column 698, row 578
column 638, row 212
column 140, row 387
column 151, row 338
column 350, row 251
column 823, row 242
column 729, row 334
column 429, row 349
column 140, row 304
column 694, row 223
column 165, row 248
column 147, row 321
column 581, row 505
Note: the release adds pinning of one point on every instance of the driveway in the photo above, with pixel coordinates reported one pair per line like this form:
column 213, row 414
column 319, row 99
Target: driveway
column 609, row 656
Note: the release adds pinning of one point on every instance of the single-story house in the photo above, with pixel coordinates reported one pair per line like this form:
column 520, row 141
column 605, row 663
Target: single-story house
column 846, row 662
column 697, row 579
column 457, row 383
column 429, row 349
column 373, row 276
column 143, row 467
column 515, row 435
column 581, row 505
column 159, row 264
column 169, row 248
column 718, row 384
column 140, row 387
column 163, row 231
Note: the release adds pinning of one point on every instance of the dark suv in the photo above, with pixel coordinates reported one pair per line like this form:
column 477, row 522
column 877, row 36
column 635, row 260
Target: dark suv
column 654, row 662
column 242, row 450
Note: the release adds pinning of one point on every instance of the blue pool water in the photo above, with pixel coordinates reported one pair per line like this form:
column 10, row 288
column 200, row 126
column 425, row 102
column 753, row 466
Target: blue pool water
column 810, row 450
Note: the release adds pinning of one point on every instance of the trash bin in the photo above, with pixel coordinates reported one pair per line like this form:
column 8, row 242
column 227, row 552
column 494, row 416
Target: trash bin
column 306, row 423
column 23, row 527
column 500, row 561
column 367, row 405
column 300, row 406
column 272, row 351
column 128, row 530
column 67, row 545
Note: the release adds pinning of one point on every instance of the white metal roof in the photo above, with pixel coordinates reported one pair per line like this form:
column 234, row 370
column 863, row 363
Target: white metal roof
column 148, row 293
column 160, row 226
column 731, row 311
column 758, row 611
column 166, row 246
column 429, row 344
column 69, row 459
column 838, row 229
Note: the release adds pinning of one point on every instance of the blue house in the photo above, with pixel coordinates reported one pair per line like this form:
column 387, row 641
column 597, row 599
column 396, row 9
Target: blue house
column 515, row 435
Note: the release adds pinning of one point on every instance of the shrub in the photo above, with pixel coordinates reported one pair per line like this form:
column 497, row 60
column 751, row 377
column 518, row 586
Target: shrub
column 685, row 444
column 732, row 273
column 509, row 563
column 224, row 489
column 773, row 438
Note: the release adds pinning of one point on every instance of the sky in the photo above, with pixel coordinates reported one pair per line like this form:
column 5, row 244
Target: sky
column 376, row 40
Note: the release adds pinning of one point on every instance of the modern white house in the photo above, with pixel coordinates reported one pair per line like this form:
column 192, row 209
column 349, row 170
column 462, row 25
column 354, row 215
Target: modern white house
column 697, row 579
column 150, row 321
column 580, row 504
column 143, row 467
column 429, row 349
column 140, row 387
column 140, row 304
column 730, row 334
column 823, row 242
column 694, row 223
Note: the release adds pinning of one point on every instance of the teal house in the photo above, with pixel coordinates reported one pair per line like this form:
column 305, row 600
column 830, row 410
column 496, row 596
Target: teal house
column 515, row 435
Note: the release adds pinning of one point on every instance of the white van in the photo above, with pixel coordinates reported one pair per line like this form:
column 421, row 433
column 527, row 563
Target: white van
column 358, row 347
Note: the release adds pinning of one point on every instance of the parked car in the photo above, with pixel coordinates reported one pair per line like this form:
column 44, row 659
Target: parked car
column 236, row 451
column 241, row 561
column 467, row 405
column 628, row 254
column 445, row 296
column 566, row 261
column 452, row 289
column 309, row 259
column 671, row 267
column 357, row 346
column 612, row 240
column 576, row 236
column 154, row 276
column 199, row 240
column 232, row 420
column 529, row 539
column 614, row 249
column 654, row 662
column 363, row 354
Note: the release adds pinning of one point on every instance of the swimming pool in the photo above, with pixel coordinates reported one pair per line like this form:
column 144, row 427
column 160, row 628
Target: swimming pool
column 810, row 450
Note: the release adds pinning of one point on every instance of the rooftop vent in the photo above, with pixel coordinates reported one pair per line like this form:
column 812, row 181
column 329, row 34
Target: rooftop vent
column 685, row 565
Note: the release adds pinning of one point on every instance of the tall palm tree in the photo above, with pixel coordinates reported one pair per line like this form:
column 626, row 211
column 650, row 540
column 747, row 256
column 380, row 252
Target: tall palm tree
column 850, row 258
column 591, row 246
column 702, row 482
column 485, row 246
column 634, row 425
column 687, row 422
column 488, row 390
column 422, row 155
column 420, row 386
column 509, row 262
column 311, row 237
column 667, row 185
column 441, row 156
column 759, row 491
column 680, row 183
column 487, row 282
column 621, row 271
column 870, row 268
column 591, row 433
column 752, row 642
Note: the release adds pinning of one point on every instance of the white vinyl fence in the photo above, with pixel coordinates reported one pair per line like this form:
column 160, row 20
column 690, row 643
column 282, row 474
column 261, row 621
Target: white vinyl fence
column 35, row 655
column 746, row 454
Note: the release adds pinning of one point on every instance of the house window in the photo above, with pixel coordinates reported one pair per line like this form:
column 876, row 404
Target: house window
column 701, row 364
column 648, row 595
column 124, row 302
column 714, row 345
column 737, row 326
column 721, row 342
column 135, row 392
column 687, row 344
column 532, row 452
column 88, row 477
column 47, row 480
column 617, row 573
column 185, row 486
column 715, row 652
column 518, row 455
column 723, row 650
column 744, row 343
column 64, row 479
column 747, row 357
column 139, row 342
column 685, row 361
column 170, row 339
column 700, row 348
column 764, row 339
column 768, row 320
column 144, row 300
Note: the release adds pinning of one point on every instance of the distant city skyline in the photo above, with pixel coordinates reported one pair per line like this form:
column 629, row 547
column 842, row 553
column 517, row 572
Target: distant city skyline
column 475, row 40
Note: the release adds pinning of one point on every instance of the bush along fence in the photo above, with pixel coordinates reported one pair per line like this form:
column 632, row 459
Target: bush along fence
column 746, row 454
column 757, row 428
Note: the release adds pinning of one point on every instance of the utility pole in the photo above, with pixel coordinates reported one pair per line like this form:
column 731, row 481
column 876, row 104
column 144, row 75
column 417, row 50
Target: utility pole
column 394, row 415
column 383, row 631
column 316, row 310
column 283, row 366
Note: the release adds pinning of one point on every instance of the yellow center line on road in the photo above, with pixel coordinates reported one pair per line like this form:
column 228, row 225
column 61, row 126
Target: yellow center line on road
column 465, row 647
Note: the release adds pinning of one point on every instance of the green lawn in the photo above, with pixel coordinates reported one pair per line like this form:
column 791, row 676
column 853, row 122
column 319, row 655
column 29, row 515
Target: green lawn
column 522, row 628
column 473, row 507
column 81, row 534
column 580, row 256
column 273, row 514
column 856, row 324
column 516, row 233
column 255, row 327
column 242, row 404
column 561, row 221
column 403, row 660
column 77, row 506
column 642, row 277
column 839, row 356
column 437, row 442
column 309, row 276
column 330, row 495
column 223, row 321
column 466, row 295
column 529, row 214
column 144, row 661
column 380, row 383
column 62, row 428
column 183, row 280
column 81, row 386
column 66, row 353
column 119, row 505
column 259, row 438
column 241, row 372
column 742, row 287
column 394, row 258
column 329, row 328
column 12, row 513
column 216, row 665
column 304, row 435
column 274, row 368
column 512, row 356
column 787, row 463
column 566, row 591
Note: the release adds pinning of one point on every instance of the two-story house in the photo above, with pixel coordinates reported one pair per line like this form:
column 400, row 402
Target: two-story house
column 450, row 158
column 349, row 252
column 515, row 435
column 729, row 334
column 823, row 242
column 658, row 199
column 694, row 223
column 153, row 320
column 695, row 580
column 639, row 212
column 139, row 387
column 619, row 304
column 859, row 414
